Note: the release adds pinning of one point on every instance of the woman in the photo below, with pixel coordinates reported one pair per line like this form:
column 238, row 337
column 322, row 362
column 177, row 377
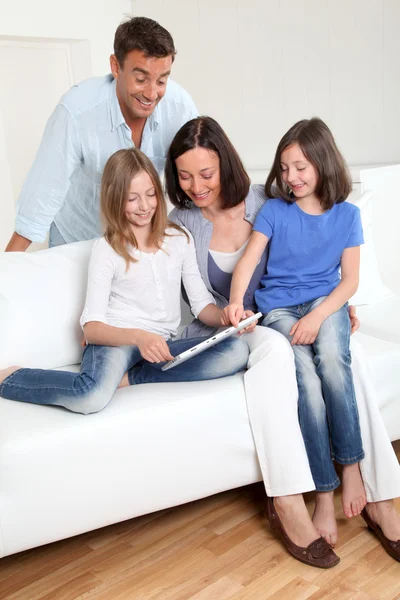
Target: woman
column 210, row 189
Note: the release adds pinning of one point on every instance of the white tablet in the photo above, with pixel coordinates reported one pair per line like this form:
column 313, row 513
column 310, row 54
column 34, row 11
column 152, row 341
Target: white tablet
column 215, row 339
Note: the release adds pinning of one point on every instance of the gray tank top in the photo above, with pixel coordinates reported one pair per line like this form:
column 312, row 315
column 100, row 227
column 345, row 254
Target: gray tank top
column 221, row 281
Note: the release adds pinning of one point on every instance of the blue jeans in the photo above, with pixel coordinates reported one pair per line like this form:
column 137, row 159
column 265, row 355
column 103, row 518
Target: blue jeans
column 328, row 412
column 55, row 237
column 103, row 367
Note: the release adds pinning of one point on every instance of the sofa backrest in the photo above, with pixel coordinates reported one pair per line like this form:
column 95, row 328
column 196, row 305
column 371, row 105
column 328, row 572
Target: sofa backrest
column 41, row 299
column 42, row 296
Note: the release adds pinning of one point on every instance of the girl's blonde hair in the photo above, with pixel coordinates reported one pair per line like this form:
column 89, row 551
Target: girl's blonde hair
column 118, row 173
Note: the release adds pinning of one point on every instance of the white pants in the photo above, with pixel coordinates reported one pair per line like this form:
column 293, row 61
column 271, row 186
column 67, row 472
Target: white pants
column 271, row 394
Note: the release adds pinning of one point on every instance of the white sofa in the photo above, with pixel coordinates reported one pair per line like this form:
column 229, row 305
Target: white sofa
column 154, row 446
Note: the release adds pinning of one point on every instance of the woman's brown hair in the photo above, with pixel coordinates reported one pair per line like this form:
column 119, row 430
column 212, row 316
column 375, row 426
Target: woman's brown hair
column 319, row 147
column 205, row 132
column 118, row 173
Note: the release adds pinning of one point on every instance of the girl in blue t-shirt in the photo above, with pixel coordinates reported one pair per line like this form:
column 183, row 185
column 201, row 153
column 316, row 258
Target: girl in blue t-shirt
column 313, row 270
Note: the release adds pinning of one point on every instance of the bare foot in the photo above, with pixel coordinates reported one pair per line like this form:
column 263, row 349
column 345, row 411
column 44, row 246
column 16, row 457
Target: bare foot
column 4, row 373
column 324, row 516
column 295, row 519
column 386, row 516
column 124, row 381
column 353, row 492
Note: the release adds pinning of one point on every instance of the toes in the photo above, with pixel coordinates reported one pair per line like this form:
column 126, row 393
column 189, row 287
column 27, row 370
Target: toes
column 347, row 511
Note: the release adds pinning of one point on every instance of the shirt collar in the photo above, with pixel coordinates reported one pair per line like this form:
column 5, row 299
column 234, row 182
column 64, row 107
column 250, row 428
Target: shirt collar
column 117, row 118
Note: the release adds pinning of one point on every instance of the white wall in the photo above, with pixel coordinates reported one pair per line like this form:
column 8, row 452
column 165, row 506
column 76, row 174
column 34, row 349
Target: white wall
column 45, row 47
column 258, row 66
column 93, row 20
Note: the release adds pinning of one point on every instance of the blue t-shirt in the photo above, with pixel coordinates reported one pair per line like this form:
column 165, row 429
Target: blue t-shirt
column 305, row 251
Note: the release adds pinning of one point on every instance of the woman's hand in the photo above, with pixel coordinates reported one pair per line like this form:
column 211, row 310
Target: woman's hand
column 306, row 329
column 232, row 314
column 251, row 327
column 152, row 347
column 354, row 320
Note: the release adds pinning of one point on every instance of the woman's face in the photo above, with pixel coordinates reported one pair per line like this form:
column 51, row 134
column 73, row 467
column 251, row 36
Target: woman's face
column 199, row 176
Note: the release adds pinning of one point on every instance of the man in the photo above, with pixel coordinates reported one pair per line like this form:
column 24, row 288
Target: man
column 132, row 107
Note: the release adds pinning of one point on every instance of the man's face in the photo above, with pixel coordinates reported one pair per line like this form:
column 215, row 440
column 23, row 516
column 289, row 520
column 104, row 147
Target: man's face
column 141, row 83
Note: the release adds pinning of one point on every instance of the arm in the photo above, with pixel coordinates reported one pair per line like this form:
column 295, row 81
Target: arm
column 306, row 329
column 201, row 301
column 242, row 275
column 46, row 185
column 152, row 347
column 17, row 243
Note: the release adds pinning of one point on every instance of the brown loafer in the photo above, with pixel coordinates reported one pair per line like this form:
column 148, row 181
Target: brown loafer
column 391, row 547
column 317, row 554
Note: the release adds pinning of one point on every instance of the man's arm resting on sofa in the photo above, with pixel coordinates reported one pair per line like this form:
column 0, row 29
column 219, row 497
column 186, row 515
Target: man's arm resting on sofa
column 18, row 243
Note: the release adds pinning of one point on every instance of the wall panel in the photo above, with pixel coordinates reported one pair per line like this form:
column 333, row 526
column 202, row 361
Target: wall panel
column 258, row 66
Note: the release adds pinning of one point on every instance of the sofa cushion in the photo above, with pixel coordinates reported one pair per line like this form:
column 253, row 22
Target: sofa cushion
column 51, row 285
column 381, row 319
column 150, row 448
column 370, row 289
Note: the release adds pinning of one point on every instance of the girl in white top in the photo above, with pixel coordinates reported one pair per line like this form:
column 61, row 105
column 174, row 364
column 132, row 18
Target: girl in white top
column 132, row 307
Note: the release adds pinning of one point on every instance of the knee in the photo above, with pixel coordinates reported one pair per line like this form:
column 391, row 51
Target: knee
column 268, row 342
column 333, row 358
column 93, row 402
column 92, row 398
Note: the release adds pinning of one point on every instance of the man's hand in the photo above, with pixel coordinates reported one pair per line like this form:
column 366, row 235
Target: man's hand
column 153, row 347
column 306, row 329
column 354, row 320
column 232, row 314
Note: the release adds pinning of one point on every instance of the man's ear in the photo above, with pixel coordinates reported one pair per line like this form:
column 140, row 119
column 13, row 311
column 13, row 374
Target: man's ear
column 114, row 65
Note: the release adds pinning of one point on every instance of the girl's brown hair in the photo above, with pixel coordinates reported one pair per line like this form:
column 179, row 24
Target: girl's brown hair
column 118, row 173
column 319, row 147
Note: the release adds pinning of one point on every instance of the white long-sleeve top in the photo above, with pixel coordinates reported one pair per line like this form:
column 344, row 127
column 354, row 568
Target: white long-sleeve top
column 147, row 296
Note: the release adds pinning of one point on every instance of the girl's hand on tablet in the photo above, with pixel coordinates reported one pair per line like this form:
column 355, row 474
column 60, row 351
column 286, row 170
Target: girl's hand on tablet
column 153, row 347
column 233, row 314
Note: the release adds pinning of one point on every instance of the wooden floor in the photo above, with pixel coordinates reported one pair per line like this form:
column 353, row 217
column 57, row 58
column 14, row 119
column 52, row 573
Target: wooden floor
column 212, row 549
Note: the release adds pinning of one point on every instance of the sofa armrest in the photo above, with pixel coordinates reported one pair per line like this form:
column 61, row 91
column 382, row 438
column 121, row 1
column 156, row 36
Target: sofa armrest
column 381, row 319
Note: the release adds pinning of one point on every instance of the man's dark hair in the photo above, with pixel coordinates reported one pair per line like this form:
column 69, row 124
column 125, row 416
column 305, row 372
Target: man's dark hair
column 205, row 132
column 146, row 35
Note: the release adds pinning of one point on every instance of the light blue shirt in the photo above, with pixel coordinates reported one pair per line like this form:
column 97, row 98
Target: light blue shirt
column 86, row 127
column 305, row 251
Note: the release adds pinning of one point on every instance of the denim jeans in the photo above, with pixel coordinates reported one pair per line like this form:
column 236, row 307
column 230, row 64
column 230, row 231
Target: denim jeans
column 328, row 412
column 103, row 367
column 55, row 237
